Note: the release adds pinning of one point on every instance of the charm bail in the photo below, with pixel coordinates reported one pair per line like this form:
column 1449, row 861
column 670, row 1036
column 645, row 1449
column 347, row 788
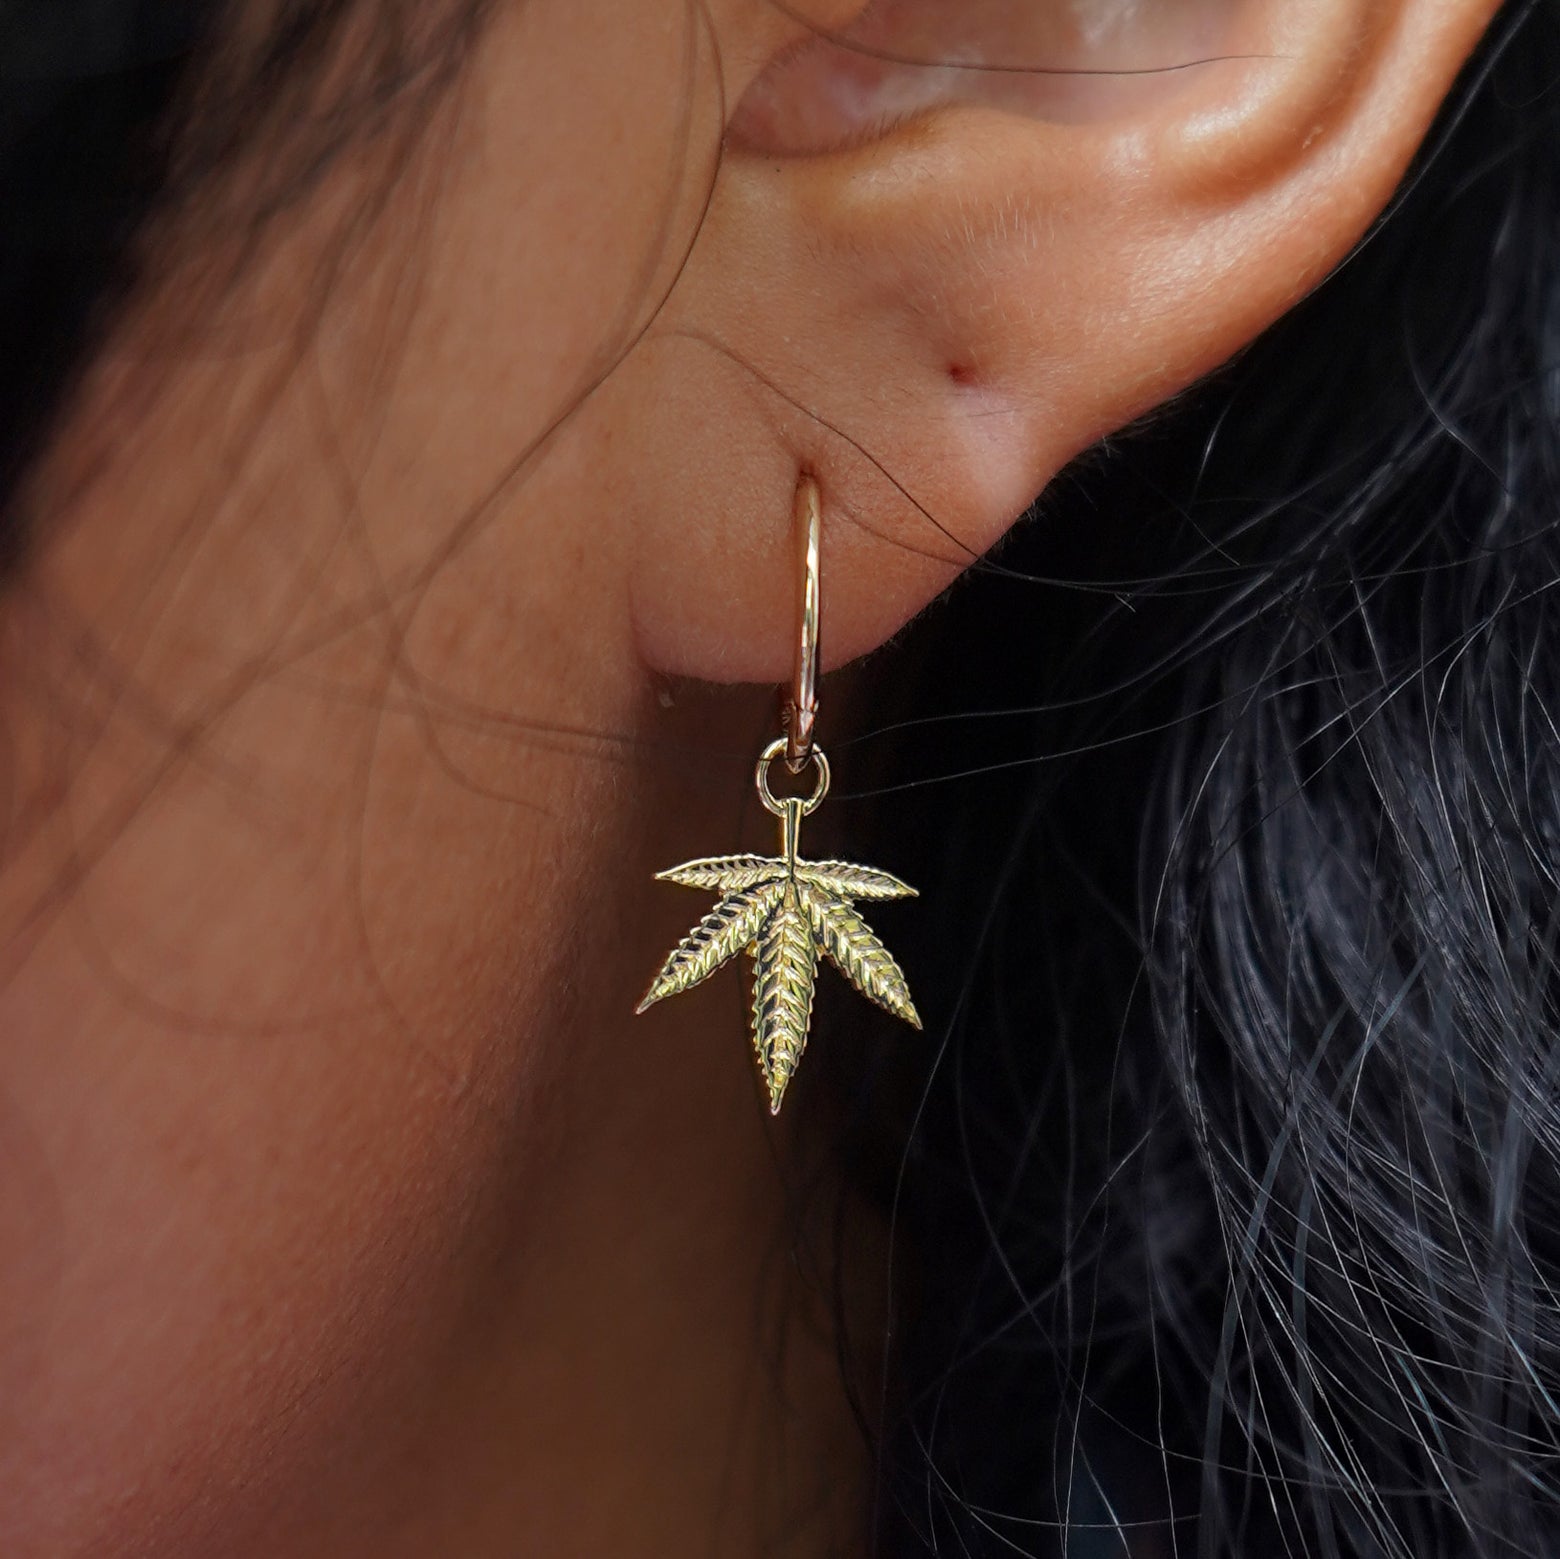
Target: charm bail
column 784, row 910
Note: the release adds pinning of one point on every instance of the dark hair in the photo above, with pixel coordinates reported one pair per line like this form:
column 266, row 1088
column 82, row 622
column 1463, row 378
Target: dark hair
column 78, row 167
column 1240, row 1155
column 1230, row 1166
column 116, row 113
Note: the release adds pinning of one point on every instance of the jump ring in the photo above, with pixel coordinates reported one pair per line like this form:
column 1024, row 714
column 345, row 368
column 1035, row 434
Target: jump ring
column 772, row 803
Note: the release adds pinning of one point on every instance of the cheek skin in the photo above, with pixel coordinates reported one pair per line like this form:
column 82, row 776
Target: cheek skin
column 278, row 1074
column 242, row 1278
column 279, row 1067
column 248, row 1254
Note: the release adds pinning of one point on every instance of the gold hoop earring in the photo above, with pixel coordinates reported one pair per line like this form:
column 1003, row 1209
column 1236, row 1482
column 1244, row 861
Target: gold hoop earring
column 783, row 910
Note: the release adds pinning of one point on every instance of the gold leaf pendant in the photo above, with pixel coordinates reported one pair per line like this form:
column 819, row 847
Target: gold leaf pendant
column 784, row 911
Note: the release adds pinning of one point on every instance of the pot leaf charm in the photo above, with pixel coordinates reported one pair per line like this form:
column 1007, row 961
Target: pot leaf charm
column 784, row 912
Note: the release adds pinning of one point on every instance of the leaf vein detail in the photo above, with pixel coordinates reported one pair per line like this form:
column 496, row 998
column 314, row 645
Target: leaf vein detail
column 783, row 986
column 847, row 881
column 856, row 951
column 737, row 921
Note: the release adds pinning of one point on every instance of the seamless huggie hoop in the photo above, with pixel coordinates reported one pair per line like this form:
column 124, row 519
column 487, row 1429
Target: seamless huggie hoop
column 801, row 713
column 784, row 910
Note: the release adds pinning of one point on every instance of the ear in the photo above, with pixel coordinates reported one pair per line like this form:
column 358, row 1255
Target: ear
column 933, row 286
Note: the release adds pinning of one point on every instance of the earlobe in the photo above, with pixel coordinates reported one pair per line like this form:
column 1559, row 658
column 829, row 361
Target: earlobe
column 939, row 317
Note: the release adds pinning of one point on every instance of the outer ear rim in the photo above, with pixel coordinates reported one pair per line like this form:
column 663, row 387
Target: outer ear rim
column 1286, row 80
column 970, row 299
column 1302, row 159
column 1387, row 86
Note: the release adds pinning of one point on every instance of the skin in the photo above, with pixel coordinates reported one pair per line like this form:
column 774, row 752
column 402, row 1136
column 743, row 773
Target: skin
column 345, row 1207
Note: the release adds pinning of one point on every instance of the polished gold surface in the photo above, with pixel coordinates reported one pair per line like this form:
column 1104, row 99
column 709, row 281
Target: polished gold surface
column 784, row 911
column 801, row 712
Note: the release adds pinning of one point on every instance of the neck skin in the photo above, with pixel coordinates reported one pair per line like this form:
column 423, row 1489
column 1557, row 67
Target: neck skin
column 348, row 1209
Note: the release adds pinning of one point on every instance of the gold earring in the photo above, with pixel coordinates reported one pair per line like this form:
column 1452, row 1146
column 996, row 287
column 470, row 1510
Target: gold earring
column 783, row 910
